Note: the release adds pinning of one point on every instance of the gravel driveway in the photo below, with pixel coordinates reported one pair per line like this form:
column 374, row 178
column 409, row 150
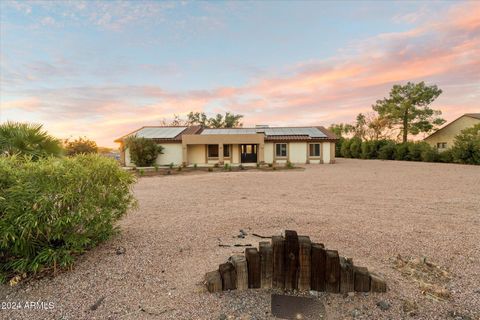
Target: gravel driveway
column 369, row 210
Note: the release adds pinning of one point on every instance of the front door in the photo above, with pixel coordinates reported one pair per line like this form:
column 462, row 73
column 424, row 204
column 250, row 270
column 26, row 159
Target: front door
column 248, row 153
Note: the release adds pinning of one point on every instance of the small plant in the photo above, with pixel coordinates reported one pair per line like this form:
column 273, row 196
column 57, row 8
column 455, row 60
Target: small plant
column 258, row 165
column 184, row 164
column 270, row 165
column 170, row 165
column 156, row 167
column 216, row 165
column 210, row 169
column 241, row 167
column 227, row 167
column 289, row 165
column 179, row 168
column 141, row 172
column 169, row 172
column 195, row 166
column 274, row 168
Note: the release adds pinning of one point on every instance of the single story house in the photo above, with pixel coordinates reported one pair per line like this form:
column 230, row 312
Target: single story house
column 443, row 138
column 262, row 144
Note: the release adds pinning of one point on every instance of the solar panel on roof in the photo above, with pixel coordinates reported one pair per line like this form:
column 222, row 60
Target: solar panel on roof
column 311, row 132
column 160, row 132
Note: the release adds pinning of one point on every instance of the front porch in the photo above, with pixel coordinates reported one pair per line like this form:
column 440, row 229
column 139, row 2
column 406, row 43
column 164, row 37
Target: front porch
column 223, row 148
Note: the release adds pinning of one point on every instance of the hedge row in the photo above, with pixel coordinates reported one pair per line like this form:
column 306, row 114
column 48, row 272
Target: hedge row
column 54, row 208
column 390, row 150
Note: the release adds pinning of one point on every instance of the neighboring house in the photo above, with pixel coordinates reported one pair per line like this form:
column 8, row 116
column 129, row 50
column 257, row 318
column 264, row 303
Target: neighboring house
column 262, row 144
column 443, row 138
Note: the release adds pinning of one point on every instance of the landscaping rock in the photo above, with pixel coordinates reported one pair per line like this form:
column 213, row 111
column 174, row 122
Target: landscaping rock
column 120, row 250
column 383, row 305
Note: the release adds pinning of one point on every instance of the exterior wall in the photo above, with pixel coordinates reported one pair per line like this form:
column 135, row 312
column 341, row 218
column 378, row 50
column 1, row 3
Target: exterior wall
column 326, row 152
column 172, row 152
column 332, row 152
column 447, row 134
column 297, row 152
column 196, row 154
column 127, row 158
column 268, row 152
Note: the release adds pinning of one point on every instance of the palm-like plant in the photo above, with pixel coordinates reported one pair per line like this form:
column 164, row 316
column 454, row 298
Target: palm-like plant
column 27, row 139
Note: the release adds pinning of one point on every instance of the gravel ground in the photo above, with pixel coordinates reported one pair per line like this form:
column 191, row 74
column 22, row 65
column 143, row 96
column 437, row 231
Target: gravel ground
column 368, row 210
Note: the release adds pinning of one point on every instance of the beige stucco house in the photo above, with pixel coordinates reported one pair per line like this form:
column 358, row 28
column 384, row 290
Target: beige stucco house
column 443, row 138
column 262, row 144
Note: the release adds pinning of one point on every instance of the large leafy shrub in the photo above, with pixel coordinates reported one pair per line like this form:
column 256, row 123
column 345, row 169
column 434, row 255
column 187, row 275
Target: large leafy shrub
column 27, row 139
column 54, row 208
column 143, row 152
column 387, row 151
column 466, row 148
column 415, row 150
column 355, row 147
column 345, row 148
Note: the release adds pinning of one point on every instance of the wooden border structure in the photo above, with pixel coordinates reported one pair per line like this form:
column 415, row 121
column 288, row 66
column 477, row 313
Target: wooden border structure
column 293, row 263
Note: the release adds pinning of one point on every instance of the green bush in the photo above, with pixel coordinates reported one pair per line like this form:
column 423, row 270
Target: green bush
column 430, row 154
column 355, row 147
column 345, row 148
column 143, row 151
column 415, row 150
column 401, row 151
column 289, row 165
column 387, row 151
column 466, row 148
column 338, row 147
column 54, row 208
column 195, row 166
column 445, row 156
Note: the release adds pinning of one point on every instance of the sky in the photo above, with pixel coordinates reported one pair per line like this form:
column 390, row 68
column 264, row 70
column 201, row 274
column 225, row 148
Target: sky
column 101, row 69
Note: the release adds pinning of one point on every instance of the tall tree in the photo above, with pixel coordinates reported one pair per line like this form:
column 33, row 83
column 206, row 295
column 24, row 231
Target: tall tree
column 407, row 108
column 230, row 120
column 27, row 139
column 79, row 146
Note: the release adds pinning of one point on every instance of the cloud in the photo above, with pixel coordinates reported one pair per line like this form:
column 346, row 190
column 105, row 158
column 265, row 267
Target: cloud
column 443, row 50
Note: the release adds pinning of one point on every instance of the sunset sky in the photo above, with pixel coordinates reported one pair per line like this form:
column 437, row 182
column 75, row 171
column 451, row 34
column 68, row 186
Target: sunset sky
column 102, row 69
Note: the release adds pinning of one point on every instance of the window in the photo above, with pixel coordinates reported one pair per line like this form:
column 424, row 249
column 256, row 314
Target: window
column 212, row 151
column 314, row 150
column 226, row 151
column 441, row 145
column 281, row 150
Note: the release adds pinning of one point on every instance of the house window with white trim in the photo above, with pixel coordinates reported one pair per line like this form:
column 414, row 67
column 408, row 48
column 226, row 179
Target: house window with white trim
column 314, row 150
column 441, row 145
column 281, row 150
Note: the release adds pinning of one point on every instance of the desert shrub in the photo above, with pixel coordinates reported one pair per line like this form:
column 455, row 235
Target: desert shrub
column 141, row 172
column 355, row 147
column 345, row 148
column 387, row 151
column 216, row 165
column 54, row 208
column 401, row 151
column 466, row 147
column 171, row 165
column 210, row 169
column 338, row 147
column 79, row 146
column 156, row 167
column 179, row 168
column 195, row 166
column 368, row 150
column 143, row 152
column 241, row 167
column 430, row 154
column 289, row 165
column 270, row 165
column 415, row 150
column 445, row 156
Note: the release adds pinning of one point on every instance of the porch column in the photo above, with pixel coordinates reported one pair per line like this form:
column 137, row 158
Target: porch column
column 261, row 152
column 220, row 153
column 184, row 154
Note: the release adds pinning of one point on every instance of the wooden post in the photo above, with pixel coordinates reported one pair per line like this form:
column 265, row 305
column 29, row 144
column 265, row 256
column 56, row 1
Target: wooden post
column 240, row 264
column 304, row 269
column 254, row 268
column 332, row 276
column 278, row 244
column 291, row 259
column 229, row 278
column 317, row 281
column 213, row 280
column 266, row 261
column 346, row 275
column 362, row 279
column 377, row 283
